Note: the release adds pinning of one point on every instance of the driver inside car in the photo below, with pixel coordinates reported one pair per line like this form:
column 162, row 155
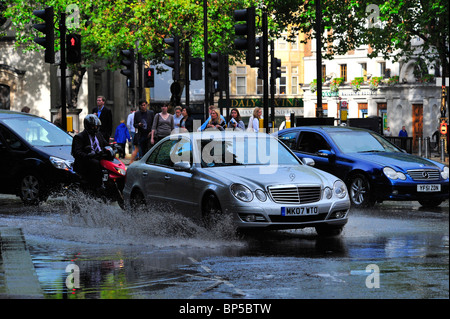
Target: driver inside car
column 87, row 149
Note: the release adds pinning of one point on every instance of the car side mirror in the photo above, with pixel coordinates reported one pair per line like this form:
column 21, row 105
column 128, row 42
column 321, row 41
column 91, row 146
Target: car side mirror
column 308, row 161
column 182, row 166
column 325, row 153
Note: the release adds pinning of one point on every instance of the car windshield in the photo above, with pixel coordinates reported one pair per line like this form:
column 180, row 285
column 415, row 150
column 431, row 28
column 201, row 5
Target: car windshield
column 38, row 132
column 248, row 150
column 362, row 142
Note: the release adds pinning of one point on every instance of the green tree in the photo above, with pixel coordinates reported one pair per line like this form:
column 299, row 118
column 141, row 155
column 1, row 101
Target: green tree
column 392, row 28
column 107, row 27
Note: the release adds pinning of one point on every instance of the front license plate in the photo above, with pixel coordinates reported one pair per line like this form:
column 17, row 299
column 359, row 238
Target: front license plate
column 429, row 188
column 105, row 177
column 298, row 211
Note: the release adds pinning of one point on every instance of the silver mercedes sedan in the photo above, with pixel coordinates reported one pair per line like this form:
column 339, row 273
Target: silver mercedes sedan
column 251, row 176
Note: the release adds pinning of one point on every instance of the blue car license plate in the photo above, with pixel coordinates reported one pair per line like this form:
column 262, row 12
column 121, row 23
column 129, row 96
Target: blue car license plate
column 299, row 211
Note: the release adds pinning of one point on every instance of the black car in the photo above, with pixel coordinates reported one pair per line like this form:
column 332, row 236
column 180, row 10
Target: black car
column 35, row 157
column 373, row 168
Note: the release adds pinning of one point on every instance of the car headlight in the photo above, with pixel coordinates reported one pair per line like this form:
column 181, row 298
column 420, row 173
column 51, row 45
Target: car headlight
column 61, row 163
column 261, row 195
column 393, row 174
column 241, row 192
column 339, row 189
column 445, row 173
column 327, row 193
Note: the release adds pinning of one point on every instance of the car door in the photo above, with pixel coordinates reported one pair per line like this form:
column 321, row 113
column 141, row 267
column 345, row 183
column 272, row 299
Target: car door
column 179, row 185
column 309, row 145
column 12, row 154
column 153, row 173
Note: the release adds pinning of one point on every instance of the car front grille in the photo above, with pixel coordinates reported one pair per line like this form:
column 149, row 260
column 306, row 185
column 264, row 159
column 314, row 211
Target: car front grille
column 292, row 194
column 424, row 174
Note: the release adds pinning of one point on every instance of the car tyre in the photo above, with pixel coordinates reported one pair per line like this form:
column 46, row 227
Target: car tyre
column 31, row 189
column 329, row 230
column 210, row 209
column 360, row 192
column 430, row 202
column 137, row 200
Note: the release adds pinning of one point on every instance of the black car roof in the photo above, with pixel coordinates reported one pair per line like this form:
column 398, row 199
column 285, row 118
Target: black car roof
column 8, row 114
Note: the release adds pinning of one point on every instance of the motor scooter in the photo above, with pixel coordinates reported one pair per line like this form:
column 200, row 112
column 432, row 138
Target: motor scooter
column 113, row 179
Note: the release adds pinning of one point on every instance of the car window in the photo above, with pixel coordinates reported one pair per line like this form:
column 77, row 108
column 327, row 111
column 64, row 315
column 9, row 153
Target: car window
column 311, row 142
column 182, row 151
column 37, row 131
column 171, row 152
column 361, row 141
column 290, row 139
column 11, row 140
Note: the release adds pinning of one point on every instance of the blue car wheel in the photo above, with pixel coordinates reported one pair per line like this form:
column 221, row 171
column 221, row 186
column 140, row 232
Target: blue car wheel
column 360, row 193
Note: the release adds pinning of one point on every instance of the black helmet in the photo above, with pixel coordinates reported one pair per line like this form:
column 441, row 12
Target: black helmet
column 92, row 123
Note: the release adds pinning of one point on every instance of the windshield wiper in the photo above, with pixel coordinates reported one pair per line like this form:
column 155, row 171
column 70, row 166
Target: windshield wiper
column 371, row 151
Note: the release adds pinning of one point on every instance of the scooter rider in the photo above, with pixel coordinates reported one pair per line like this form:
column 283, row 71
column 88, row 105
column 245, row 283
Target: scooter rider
column 87, row 147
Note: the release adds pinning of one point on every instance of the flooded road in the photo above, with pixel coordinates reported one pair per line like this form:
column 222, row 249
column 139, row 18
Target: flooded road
column 392, row 251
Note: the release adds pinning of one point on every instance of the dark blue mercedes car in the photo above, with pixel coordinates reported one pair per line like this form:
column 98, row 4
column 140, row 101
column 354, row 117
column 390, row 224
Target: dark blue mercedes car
column 373, row 168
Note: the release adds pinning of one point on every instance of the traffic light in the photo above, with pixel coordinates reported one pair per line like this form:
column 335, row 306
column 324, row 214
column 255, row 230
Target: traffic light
column 249, row 30
column 149, row 77
column 196, row 69
column 48, row 42
column 275, row 71
column 174, row 53
column 128, row 61
column 214, row 69
column 73, row 48
column 259, row 54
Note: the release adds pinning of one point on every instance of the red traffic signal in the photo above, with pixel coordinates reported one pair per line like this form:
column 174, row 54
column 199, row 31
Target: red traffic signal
column 73, row 48
column 149, row 77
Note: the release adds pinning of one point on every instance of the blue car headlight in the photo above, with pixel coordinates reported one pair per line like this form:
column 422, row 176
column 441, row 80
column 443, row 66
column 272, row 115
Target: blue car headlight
column 393, row 174
column 445, row 173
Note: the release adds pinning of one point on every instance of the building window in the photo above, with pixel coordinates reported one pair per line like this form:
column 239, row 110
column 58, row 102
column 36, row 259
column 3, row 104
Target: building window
column 259, row 85
column 294, row 85
column 324, row 72
column 282, row 82
column 241, row 85
column 4, row 97
column 294, row 45
column 281, row 44
column 344, row 72
column 382, row 69
column 364, row 71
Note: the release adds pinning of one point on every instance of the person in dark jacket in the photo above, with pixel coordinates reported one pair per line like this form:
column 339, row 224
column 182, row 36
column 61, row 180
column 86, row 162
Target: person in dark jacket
column 143, row 122
column 187, row 122
column 86, row 147
column 104, row 114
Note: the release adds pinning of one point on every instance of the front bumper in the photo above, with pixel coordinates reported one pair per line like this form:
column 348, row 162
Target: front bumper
column 268, row 215
column 407, row 191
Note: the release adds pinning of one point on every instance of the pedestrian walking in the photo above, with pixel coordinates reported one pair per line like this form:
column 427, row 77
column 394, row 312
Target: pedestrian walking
column 235, row 122
column 131, row 129
column 211, row 109
column 253, row 123
column 177, row 117
column 121, row 136
column 187, row 123
column 105, row 116
column 163, row 125
column 403, row 132
column 143, row 122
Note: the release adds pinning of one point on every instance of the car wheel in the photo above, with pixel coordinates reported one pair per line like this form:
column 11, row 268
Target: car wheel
column 430, row 202
column 31, row 189
column 137, row 200
column 328, row 230
column 359, row 188
column 210, row 209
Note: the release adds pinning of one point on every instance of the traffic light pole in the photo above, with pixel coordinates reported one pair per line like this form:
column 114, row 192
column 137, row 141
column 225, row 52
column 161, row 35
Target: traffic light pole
column 205, row 45
column 319, row 110
column 265, row 71
column 272, row 85
column 187, row 59
column 63, row 66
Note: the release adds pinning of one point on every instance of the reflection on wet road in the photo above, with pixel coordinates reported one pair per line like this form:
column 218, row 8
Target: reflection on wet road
column 161, row 255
